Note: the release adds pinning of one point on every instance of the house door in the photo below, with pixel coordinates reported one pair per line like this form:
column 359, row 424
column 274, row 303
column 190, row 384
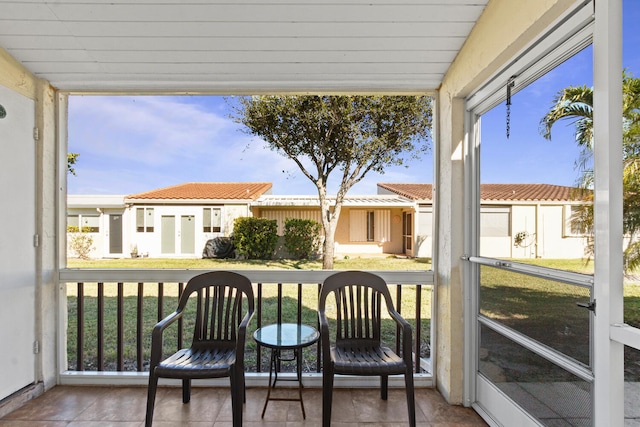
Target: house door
column 168, row 234
column 187, row 234
column 17, row 252
column 407, row 233
column 115, row 234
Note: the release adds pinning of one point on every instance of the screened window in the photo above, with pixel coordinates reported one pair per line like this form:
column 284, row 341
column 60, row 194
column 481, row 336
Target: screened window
column 576, row 220
column 85, row 223
column 495, row 221
column 144, row 220
column 73, row 221
column 211, row 220
column 370, row 225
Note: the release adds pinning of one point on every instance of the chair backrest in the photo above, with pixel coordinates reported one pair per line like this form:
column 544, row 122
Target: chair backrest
column 358, row 299
column 219, row 310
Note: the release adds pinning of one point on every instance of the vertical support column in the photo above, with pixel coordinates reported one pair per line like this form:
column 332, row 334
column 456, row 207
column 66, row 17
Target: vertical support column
column 608, row 354
column 449, row 205
column 49, row 313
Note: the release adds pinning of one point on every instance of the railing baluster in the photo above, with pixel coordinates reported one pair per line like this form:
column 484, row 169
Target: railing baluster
column 140, row 325
column 259, row 323
column 398, row 309
column 100, row 331
column 418, row 335
column 319, row 343
column 120, row 326
column 299, row 314
column 180, row 322
column 279, row 304
column 160, row 301
column 80, row 320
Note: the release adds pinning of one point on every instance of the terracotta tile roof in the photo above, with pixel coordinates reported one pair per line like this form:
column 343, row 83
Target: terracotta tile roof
column 495, row 192
column 529, row 192
column 208, row 190
column 410, row 191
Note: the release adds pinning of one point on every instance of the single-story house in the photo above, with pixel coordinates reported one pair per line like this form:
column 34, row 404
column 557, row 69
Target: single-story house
column 516, row 220
column 369, row 225
column 171, row 222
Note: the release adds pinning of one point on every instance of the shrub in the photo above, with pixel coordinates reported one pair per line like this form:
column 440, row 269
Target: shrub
column 301, row 237
column 255, row 238
column 80, row 241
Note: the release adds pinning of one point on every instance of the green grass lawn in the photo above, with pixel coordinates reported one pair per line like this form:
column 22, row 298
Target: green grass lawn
column 352, row 263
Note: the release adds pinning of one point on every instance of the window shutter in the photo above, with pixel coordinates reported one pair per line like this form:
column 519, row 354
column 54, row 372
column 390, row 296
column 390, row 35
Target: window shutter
column 382, row 218
column 358, row 225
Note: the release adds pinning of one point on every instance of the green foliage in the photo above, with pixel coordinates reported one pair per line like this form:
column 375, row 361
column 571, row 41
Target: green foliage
column 575, row 104
column 301, row 237
column 255, row 238
column 72, row 158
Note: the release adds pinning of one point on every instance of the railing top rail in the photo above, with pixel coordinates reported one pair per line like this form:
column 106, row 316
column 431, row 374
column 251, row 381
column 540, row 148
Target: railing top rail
column 72, row 275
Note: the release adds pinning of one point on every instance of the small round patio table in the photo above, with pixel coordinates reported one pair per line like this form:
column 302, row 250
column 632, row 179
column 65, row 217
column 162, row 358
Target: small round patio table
column 280, row 337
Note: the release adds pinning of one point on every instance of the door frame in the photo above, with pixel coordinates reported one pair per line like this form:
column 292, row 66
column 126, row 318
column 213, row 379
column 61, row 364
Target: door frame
column 604, row 29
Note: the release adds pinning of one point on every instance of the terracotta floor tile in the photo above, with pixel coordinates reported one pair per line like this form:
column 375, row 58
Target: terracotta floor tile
column 75, row 406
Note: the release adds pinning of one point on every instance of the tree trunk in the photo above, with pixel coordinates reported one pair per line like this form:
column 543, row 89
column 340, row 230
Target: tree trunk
column 328, row 250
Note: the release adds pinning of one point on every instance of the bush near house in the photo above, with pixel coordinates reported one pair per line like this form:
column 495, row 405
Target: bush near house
column 255, row 238
column 302, row 237
column 80, row 241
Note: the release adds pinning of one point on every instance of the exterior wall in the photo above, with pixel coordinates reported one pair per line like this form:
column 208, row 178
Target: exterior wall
column 344, row 245
column 553, row 241
column 546, row 224
column 149, row 243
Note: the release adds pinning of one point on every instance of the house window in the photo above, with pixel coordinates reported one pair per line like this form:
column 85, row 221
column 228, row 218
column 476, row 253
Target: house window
column 371, row 228
column 144, row 220
column 370, row 225
column 85, row 223
column 211, row 220
column 495, row 221
column 576, row 220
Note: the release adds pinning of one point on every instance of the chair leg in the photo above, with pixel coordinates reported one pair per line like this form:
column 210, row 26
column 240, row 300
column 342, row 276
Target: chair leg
column 186, row 391
column 151, row 399
column 384, row 387
column 411, row 398
column 243, row 384
column 327, row 397
column 236, row 398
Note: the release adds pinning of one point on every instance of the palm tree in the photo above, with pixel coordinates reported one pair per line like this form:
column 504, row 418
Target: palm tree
column 575, row 103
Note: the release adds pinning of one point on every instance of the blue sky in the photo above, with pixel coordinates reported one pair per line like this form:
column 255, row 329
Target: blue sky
column 129, row 145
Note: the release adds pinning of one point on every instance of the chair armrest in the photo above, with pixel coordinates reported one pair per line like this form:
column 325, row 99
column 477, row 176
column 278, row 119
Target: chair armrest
column 407, row 340
column 242, row 335
column 156, row 336
column 324, row 337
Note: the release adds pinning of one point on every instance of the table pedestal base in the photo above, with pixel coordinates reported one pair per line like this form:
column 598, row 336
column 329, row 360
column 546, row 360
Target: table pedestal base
column 276, row 358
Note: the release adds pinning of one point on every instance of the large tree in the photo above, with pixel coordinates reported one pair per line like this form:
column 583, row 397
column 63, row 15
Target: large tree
column 575, row 103
column 348, row 135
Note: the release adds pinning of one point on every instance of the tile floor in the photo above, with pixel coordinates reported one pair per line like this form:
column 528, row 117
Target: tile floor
column 75, row 406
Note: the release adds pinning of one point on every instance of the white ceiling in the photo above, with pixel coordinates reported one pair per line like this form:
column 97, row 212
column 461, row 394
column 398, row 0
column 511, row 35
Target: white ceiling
column 223, row 46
